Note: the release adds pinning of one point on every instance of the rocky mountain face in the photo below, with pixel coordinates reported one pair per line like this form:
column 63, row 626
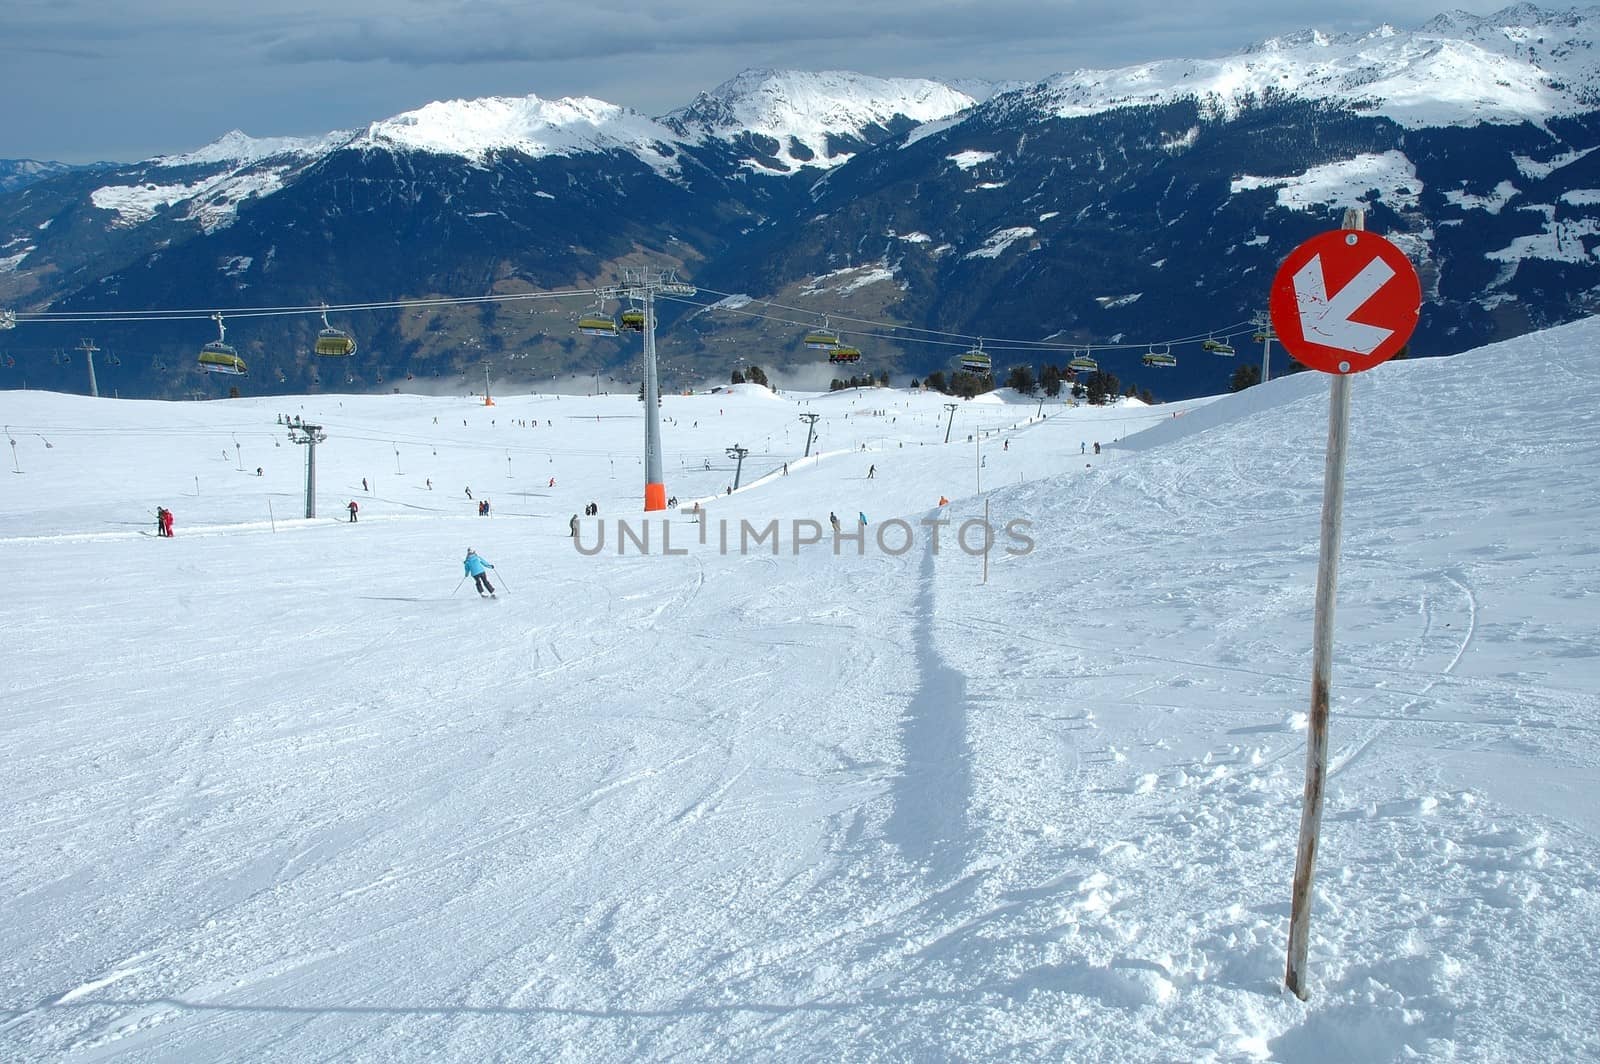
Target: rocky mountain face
column 1118, row 210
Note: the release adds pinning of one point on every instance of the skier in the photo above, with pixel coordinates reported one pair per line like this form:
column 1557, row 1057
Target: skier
column 1007, row 447
column 1097, row 448
column 943, row 501
column 166, row 523
column 833, row 519
column 352, row 508
column 364, row 484
column 469, row 493
column 863, row 518
column 871, row 469
column 475, row 566
column 161, row 520
column 572, row 527
column 552, row 482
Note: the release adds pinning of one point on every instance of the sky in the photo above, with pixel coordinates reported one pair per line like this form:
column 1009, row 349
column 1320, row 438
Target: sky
column 87, row 80
column 286, row 789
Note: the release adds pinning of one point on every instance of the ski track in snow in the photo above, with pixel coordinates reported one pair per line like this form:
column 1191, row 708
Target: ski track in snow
column 280, row 794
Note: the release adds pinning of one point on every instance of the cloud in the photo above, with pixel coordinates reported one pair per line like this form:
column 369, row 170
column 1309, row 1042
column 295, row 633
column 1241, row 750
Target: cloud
column 486, row 31
column 811, row 35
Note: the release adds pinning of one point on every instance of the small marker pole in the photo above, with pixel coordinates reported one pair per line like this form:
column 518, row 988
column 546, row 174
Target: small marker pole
column 1321, row 672
column 986, row 540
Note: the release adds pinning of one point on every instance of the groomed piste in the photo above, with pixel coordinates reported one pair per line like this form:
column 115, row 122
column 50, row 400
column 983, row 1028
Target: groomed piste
column 282, row 789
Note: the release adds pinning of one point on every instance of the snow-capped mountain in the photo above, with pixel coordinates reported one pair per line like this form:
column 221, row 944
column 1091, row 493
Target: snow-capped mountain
column 815, row 119
column 236, row 148
column 17, row 173
column 476, row 129
column 1457, row 70
column 1092, row 208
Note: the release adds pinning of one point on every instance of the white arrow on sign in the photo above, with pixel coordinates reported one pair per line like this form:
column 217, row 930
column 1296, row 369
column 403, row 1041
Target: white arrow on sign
column 1327, row 321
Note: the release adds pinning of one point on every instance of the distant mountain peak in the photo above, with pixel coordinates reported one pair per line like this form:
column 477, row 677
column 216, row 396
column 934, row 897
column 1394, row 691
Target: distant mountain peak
column 813, row 110
column 1522, row 63
column 529, row 124
column 17, row 173
column 239, row 148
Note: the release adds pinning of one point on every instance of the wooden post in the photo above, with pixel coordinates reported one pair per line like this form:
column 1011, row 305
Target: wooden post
column 986, row 540
column 1321, row 672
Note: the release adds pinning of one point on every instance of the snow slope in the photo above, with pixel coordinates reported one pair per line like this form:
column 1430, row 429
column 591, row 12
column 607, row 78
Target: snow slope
column 283, row 794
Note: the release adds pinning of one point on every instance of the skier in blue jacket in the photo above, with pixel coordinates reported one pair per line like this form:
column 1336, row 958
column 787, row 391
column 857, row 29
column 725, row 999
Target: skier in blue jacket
column 475, row 566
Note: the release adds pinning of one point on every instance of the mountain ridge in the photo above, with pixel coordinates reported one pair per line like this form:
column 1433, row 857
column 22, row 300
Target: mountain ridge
column 1510, row 51
column 1004, row 211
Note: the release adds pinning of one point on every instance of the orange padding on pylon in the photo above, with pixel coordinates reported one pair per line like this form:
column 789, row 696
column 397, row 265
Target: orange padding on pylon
column 655, row 497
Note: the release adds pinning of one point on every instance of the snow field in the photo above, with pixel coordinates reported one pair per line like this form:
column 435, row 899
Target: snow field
column 285, row 796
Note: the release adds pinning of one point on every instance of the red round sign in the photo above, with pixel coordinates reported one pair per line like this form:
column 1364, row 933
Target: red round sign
column 1345, row 301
